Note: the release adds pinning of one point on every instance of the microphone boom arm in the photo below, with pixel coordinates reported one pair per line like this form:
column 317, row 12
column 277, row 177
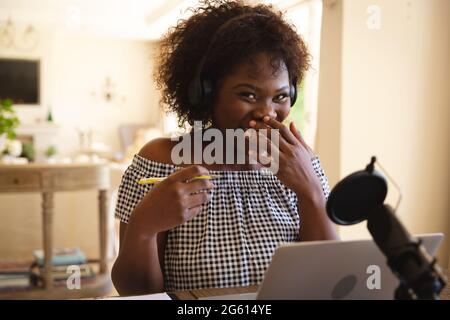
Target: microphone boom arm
column 419, row 274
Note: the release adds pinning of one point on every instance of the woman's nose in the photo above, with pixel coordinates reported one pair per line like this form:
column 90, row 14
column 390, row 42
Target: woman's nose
column 264, row 109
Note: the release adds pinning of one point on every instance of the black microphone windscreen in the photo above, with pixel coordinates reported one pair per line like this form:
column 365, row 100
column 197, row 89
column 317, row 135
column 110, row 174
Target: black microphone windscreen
column 354, row 197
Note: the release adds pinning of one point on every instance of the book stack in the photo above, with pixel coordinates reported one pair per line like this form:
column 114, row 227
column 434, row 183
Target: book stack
column 15, row 276
column 67, row 263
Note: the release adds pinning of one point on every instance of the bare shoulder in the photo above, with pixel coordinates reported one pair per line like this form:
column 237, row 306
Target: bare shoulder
column 158, row 150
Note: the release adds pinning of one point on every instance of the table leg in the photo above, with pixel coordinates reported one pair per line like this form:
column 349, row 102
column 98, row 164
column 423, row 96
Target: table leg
column 103, row 224
column 47, row 223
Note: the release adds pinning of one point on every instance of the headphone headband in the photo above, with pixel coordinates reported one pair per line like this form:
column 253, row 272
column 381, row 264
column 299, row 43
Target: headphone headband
column 219, row 31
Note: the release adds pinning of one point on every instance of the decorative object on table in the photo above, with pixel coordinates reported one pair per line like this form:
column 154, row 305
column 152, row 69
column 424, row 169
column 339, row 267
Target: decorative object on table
column 50, row 154
column 10, row 148
column 3, row 141
column 91, row 148
column 51, row 151
column 8, row 119
column 14, row 148
column 85, row 138
column 28, row 151
column 49, row 115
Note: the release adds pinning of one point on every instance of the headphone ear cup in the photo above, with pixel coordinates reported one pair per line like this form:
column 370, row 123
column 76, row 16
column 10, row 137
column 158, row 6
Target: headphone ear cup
column 293, row 94
column 199, row 91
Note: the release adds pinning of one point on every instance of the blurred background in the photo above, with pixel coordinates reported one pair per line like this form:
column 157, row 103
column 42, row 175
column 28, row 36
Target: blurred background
column 379, row 85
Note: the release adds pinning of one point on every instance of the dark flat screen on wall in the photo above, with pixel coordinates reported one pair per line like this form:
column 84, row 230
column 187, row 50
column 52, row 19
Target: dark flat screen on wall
column 19, row 80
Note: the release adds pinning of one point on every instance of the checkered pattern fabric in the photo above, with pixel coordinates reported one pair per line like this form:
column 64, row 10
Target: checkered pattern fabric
column 231, row 241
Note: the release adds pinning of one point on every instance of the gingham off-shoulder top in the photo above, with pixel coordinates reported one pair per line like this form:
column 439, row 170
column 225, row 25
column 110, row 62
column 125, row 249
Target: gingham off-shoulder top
column 231, row 241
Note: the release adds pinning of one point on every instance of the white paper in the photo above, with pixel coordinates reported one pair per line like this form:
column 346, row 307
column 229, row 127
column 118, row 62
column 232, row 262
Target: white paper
column 154, row 296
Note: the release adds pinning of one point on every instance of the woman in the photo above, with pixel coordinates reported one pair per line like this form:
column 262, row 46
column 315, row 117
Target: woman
column 231, row 66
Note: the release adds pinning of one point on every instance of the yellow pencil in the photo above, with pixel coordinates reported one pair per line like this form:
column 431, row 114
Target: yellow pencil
column 159, row 179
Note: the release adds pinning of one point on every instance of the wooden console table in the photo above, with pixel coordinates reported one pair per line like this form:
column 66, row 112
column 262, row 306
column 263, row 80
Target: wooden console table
column 48, row 179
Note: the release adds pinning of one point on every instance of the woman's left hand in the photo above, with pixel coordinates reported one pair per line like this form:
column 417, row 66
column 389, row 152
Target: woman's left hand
column 291, row 158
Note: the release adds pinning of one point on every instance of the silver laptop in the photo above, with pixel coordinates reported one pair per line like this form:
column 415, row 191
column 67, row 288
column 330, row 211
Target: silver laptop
column 329, row 270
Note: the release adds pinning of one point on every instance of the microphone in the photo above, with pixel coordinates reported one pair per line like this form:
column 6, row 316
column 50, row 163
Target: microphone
column 360, row 196
column 355, row 196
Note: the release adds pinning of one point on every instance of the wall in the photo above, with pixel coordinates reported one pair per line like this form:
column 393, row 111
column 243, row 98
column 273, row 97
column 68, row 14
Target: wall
column 328, row 137
column 72, row 69
column 395, row 104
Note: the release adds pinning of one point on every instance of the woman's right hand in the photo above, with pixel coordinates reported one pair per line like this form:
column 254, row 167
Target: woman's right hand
column 172, row 201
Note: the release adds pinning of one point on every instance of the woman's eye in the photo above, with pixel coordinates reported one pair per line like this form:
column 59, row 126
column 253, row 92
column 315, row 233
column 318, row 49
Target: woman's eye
column 281, row 97
column 248, row 95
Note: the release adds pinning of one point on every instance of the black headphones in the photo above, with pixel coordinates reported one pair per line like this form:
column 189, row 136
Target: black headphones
column 200, row 89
